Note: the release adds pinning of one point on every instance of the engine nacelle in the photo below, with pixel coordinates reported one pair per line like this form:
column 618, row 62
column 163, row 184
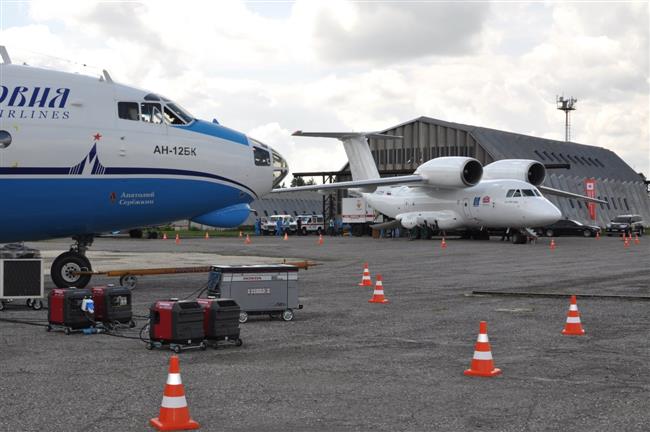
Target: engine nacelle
column 527, row 170
column 228, row 217
column 451, row 172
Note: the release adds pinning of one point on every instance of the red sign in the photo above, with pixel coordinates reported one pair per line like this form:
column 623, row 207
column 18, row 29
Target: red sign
column 590, row 189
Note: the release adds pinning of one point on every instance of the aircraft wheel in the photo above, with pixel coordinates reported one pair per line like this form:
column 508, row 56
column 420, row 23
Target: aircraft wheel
column 65, row 265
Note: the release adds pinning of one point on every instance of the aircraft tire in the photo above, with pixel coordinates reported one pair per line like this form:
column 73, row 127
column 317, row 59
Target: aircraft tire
column 66, row 263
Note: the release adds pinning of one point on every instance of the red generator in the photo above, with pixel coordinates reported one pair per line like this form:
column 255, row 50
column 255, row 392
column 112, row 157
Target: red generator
column 220, row 320
column 64, row 310
column 178, row 323
column 113, row 305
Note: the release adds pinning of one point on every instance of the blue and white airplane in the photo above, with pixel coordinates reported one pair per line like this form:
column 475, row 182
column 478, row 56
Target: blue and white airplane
column 82, row 155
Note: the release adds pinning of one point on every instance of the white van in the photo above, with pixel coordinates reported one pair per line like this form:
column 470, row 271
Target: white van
column 288, row 224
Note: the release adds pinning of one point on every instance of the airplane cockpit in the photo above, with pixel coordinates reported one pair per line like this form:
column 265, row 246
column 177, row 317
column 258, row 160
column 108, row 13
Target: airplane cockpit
column 155, row 109
column 519, row 193
column 266, row 156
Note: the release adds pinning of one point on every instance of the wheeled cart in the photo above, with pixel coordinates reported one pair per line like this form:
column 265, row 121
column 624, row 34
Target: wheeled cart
column 176, row 323
column 220, row 321
column 257, row 289
column 21, row 276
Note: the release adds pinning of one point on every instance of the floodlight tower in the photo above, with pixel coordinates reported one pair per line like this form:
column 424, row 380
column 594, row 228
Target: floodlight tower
column 566, row 105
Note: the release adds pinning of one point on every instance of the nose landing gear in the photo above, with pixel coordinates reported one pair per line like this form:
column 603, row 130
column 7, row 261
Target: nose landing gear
column 65, row 267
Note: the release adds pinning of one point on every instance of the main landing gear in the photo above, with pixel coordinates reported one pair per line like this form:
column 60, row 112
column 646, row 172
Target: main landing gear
column 65, row 267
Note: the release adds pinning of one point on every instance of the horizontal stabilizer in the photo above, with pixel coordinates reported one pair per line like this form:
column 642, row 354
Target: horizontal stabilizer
column 566, row 194
column 369, row 184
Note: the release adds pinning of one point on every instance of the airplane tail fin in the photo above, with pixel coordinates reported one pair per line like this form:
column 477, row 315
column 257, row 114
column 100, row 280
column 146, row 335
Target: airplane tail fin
column 362, row 164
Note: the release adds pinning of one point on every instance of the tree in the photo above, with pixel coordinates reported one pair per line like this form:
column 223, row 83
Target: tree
column 297, row 181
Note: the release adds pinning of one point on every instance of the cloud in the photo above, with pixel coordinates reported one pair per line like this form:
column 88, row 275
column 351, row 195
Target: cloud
column 394, row 31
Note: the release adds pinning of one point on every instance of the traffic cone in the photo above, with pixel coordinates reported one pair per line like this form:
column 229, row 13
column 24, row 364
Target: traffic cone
column 241, row 234
column 286, row 236
column 636, row 239
column 552, row 244
column 164, row 236
column 320, row 239
column 443, row 244
column 626, row 242
column 207, row 236
column 365, row 279
column 178, row 239
column 248, row 239
column 174, row 413
column 482, row 362
column 573, row 326
column 378, row 293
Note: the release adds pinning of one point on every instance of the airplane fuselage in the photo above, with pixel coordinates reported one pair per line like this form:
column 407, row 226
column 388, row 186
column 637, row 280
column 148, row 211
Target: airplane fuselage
column 486, row 204
column 88, row 156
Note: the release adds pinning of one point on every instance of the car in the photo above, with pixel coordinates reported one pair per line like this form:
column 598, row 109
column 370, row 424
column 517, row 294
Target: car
column 288, row 223
column 627, row 224
column 568, row 227
column 310, row 224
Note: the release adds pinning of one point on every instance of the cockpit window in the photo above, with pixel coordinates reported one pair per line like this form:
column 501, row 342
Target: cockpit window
column 537, row 193
column 262, row 157
column 517, row 194
column 527, row 192
column 280, row 168
column 128, row 111
column 179, row 112
column 151, row 113
column 510, row 193
column 171, row 117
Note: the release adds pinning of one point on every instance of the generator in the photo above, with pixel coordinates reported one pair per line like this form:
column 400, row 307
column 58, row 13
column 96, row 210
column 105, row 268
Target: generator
column 113, row 305
column 257, row 289
column 65, row 310
column 21, row 275
column 220, row 320
column 177, row 323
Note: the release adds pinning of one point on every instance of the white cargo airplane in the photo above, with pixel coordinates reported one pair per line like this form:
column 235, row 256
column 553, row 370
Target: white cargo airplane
column 449, row 193
column 82, row 155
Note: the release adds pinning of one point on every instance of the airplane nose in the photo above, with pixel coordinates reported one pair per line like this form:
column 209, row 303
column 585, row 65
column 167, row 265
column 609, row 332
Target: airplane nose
column 549, row 214
column 280, row 168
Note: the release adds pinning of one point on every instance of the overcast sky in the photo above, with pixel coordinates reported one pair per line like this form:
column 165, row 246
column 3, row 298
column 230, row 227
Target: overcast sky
column 268, row 68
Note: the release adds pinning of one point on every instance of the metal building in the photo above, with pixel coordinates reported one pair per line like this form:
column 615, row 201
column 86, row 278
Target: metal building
column 426, row 138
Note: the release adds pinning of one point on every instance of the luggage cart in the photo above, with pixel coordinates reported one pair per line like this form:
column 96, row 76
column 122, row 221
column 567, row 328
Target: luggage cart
column 21, row 276
column 257, row 289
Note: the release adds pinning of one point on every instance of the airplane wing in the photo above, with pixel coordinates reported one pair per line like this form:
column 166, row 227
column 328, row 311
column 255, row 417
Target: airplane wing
column 368, row 185
column 343, row 135
column 566, row 194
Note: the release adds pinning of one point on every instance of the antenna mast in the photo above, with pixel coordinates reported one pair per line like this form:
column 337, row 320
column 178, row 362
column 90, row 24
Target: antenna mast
column 566, row 105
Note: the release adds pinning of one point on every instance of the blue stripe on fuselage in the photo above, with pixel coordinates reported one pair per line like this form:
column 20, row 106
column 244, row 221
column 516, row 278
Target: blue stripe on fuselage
column 38, row 209
column 215, row 130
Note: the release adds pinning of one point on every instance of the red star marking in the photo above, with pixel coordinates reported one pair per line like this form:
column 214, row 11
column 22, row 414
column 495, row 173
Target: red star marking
column 97, row 136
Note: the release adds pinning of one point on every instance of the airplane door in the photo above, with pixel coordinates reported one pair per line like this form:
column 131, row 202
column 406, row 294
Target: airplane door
column 467, row 210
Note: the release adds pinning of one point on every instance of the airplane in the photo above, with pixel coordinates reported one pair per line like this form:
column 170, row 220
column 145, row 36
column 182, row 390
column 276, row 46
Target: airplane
column 449, row 193
column 82, row 155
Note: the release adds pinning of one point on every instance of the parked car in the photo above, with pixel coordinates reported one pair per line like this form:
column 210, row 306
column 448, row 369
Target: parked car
column 568, row 227
column 288, row 224
column 627, row 224
column 310, row 224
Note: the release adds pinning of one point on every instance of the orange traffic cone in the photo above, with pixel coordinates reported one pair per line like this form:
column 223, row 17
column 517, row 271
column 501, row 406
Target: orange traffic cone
column 248, row 239
column 626, row 241
column 552, row 246
column 365, row 279
column 164, row 236
column 482, row 362
column 443, row 244
column 207, row 236
column 178, row 239
column 573, row 326
column 320, row 239
column 174, row 413
column 286, row 236
column 636, row 239
column 378, row 293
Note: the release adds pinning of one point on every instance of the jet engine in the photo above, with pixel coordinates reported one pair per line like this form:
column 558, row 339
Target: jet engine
column 451, row 172
column 526, row 170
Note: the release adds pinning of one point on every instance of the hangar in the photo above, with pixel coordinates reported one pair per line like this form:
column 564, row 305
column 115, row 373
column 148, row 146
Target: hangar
column 426, row 138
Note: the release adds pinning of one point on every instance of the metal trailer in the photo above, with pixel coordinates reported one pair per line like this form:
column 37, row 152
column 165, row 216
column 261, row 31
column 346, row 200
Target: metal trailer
column 258, row 289
column 21, row 276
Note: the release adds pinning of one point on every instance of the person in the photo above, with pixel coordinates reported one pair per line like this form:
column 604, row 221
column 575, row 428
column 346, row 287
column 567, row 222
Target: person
column 506, row 235
column 331, row 227
column 258, row 227
column 278, row 227
column 299, row 226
